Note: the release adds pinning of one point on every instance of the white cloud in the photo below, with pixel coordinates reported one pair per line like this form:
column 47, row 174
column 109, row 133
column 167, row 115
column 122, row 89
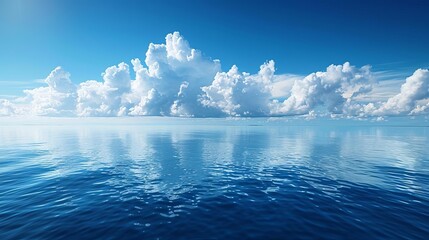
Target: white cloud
column 6, row 108
column 57, row 99
column 381, row 91
column 241, row 94
column 105, row 98
column 422, row 107
column 177, row 80
column 415, row 88
column 171, row 83
column 332, row 89
column 96, row 99
column 283, row 83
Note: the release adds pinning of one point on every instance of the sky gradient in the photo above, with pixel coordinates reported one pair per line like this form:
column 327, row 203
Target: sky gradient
column 302, row 37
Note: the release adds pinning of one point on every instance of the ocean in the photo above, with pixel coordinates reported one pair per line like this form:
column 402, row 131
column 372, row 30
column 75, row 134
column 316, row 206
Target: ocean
column 173, row 178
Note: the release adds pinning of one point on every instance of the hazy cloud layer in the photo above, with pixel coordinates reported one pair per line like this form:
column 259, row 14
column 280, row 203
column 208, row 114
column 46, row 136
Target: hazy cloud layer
column 176, row 80
column 6, row 108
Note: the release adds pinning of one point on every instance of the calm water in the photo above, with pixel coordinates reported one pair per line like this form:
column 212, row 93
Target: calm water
column 216, row 179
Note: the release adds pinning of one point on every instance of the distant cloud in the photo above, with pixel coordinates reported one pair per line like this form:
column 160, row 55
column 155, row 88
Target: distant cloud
column 105, row 98
column 283, row 83
column 172, row 82
column 57, row 99
column 176, row 80
column 413, row 97
column 241, row 94
column 6, row 108
column 335, row 87
column 381, row 91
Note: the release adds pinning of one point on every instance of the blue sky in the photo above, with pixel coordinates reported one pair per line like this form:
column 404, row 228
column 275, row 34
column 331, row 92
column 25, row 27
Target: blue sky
column 86, row 37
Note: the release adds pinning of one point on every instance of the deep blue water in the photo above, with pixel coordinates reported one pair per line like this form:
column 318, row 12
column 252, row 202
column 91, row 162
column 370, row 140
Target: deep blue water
column 235, row 179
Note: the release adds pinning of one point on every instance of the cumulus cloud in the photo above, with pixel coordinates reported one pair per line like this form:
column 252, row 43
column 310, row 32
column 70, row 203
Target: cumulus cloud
column 105, row 98
column 169, row 84
column 177, row 80
column 57, row 99
column 282, row 85
column 241, row 94
column 6, row 108
column 332, row 89
column 172, row 80
column 415, row 89
column 413, row 99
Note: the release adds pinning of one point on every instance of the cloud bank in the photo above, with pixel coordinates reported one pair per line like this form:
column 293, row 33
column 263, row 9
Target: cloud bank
column 177, row 80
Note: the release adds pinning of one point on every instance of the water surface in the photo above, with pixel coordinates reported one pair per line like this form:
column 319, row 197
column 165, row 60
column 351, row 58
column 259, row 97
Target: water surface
column 216, row 179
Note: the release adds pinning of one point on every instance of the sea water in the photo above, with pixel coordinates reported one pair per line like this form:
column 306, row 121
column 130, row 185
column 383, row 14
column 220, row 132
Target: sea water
column 171, row 178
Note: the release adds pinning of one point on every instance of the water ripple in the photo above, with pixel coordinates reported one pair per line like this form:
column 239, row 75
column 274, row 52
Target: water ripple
column 214, row 183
